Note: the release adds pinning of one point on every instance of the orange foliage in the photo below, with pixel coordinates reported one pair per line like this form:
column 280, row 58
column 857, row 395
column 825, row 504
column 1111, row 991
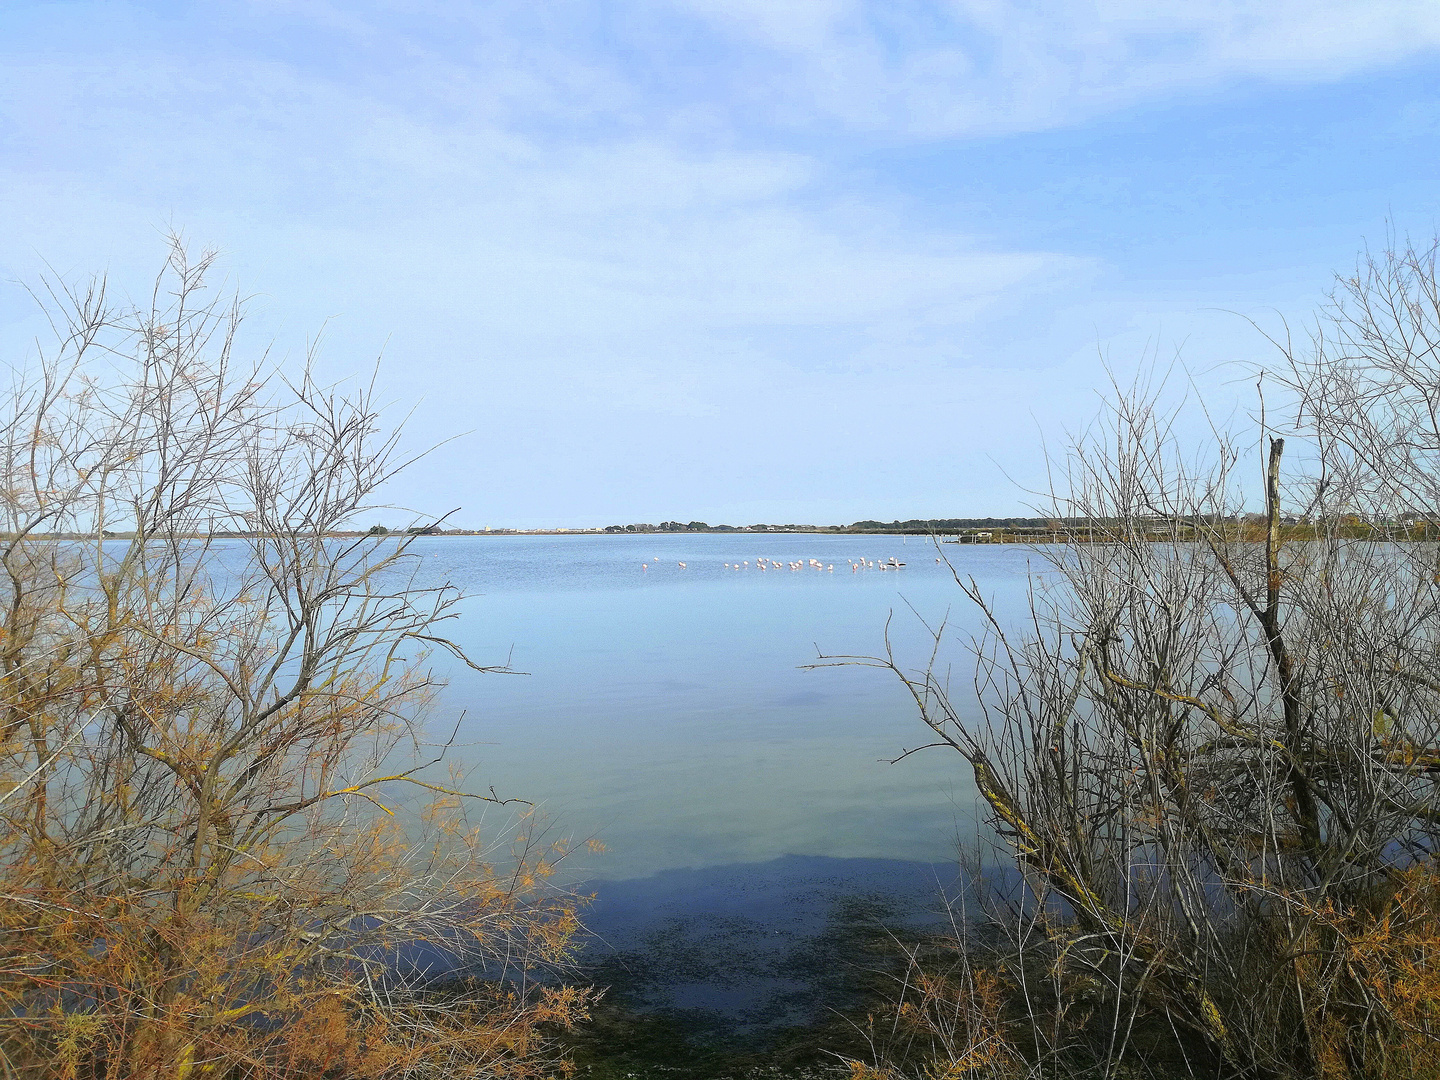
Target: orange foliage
column 947, row 1024
column 223, row 851
column 1372, row 978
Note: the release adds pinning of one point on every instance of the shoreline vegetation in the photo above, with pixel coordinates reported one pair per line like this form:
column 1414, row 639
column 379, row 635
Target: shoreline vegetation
column 202, row 867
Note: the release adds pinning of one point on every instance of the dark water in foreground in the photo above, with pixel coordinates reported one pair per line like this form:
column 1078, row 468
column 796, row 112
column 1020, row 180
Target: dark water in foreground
column 750, row 969
column 746, row 939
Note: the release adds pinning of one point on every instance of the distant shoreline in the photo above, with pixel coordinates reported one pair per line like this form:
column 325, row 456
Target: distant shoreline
column 948, row 530
column 1012, row 528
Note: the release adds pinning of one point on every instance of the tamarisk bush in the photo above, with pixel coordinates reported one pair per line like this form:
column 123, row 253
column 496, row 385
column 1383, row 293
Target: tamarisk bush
column 1212, row 750
column 224, row 844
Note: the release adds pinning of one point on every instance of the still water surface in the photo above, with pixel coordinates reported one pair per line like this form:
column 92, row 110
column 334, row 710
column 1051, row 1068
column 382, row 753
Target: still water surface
column 667, row 712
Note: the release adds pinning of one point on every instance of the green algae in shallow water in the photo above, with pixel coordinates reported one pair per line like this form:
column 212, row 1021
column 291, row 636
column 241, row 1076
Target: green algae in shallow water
column 730, row 1005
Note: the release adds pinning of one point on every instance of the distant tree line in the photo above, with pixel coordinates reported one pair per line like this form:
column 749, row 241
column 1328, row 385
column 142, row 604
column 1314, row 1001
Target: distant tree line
column 923, row 526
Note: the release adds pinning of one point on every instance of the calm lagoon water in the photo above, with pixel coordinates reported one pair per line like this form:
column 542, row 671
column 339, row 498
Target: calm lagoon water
column 667, row 713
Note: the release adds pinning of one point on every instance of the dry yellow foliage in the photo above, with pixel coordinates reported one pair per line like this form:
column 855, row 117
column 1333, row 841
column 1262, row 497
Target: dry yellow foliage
column 224, row 848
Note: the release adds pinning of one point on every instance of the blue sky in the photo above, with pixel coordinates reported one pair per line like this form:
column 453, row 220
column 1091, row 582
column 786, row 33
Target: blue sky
column 738, row 261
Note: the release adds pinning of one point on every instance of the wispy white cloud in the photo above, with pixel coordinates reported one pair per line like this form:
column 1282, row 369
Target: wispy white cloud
column 968, row 66
column 697, row 69
column 618, row 237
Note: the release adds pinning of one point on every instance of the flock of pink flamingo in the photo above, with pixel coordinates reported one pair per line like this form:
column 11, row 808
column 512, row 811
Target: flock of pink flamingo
column 856, row 565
